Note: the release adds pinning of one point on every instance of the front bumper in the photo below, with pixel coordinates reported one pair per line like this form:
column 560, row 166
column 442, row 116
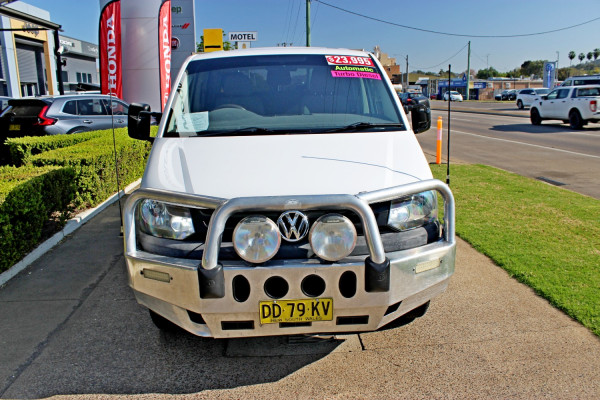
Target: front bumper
column 202, row 298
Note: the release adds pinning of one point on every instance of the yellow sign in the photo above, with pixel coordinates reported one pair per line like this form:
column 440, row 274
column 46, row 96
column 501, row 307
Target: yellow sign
column 213, row 40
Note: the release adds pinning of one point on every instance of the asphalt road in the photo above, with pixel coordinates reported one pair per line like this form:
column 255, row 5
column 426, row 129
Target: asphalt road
column 551, row 152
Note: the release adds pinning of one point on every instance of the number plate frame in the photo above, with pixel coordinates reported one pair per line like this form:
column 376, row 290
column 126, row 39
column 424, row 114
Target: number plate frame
column 297, row 310
column 14, row 127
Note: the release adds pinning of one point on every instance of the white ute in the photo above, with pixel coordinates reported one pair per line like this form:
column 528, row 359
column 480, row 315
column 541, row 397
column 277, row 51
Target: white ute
column 285, row 193
column 574, row 105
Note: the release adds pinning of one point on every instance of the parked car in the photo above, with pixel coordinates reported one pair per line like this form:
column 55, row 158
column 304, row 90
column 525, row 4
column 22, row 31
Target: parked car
column 526, row 96
column 4, row 102
column 53, row 115
column 582, row 80
column 510, row 94
column 410, row 100
column 328, row 221
column 454, row 96
column 433, row 96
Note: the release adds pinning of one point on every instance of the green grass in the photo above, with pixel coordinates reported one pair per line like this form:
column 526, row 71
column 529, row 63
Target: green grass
column 544, row 236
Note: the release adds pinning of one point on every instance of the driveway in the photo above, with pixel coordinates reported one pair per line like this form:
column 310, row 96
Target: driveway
column 70, row 326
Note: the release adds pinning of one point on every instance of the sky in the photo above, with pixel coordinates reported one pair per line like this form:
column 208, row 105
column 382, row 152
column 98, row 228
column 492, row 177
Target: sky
column 283, row 21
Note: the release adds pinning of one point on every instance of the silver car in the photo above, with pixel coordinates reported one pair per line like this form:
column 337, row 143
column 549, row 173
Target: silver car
column 54, row 115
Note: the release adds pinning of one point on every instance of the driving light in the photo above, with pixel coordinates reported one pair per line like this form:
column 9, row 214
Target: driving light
column 332, row 237
column 417, row 210
column 165, row 220
column 256, row 239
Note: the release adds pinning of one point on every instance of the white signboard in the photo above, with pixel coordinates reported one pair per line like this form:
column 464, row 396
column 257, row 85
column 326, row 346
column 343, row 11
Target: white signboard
column 243, row 36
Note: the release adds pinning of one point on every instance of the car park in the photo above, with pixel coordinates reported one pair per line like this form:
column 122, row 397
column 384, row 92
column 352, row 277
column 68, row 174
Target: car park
column 527, row 96
column 285, row 194
column 574, row 105
column 510, row 94
column 453, row 96
column 53, row 115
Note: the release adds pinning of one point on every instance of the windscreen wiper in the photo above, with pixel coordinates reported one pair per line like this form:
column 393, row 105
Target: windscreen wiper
column 361, row 126
column 251, row 130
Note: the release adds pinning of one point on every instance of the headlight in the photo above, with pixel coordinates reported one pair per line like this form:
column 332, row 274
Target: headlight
column 165, row 220
column 409, row 213
column 256, row 239
column 332, row 237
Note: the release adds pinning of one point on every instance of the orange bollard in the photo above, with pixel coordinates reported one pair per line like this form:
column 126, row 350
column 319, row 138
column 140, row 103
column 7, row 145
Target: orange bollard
column 438, row 154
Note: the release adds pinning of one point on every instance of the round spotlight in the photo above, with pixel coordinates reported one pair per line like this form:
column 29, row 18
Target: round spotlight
column 256, row 239
column 332, row 237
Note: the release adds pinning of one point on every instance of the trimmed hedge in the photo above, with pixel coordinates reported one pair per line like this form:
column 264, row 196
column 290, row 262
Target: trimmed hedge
column 61, row 173
column 28, row 196
column 21, row 149
column 94, row 163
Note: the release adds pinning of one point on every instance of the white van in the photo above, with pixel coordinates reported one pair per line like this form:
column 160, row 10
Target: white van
column 285, row 193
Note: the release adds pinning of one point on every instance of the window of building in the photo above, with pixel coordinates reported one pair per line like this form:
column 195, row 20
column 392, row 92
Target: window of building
column 79, row 77
column 65, row 76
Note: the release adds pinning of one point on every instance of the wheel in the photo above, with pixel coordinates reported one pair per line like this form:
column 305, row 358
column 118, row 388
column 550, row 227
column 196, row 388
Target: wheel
column 575, row 121
column 535, row 117
column 520, row 104
column 162, row 323
column 78, row 129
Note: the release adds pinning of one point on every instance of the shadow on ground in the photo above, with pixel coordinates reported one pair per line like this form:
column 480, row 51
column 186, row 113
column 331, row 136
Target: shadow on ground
column 109, row 345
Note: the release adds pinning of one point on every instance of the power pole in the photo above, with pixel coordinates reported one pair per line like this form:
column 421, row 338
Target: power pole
column 307, row 23
column 468, row 69
column 406, row 88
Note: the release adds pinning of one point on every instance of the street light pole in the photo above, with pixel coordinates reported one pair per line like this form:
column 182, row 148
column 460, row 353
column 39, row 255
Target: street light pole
column 307, row 23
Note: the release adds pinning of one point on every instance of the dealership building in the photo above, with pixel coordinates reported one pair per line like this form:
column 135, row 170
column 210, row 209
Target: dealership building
column 28, row 62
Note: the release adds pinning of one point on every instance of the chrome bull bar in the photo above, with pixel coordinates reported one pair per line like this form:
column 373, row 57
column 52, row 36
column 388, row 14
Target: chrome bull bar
column 225, row 208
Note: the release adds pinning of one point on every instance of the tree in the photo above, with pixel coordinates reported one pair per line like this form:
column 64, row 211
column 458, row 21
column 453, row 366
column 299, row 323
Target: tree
column 487, row 73
column 581, row 56
column 572, row 56
column 590, row 55
column 596, row 54
column 533, row 68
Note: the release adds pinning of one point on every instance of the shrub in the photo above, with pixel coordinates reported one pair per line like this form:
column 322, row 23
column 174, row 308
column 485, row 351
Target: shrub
column 21, row 149
column 94, row 164
column 28, row 195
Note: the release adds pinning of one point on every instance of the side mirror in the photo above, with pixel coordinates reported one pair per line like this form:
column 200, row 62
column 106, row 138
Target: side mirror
column 421, row 119
column 139, row 118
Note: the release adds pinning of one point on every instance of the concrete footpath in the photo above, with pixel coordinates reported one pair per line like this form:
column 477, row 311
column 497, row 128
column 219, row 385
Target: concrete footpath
column 72, row 329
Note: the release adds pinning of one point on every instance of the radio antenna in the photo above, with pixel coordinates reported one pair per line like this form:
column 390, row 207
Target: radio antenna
column 112, row 118
column 449, row 101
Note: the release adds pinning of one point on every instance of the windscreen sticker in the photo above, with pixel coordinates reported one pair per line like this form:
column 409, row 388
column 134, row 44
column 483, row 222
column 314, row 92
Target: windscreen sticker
column 193, row 122
column 349, row 60
column 350, row 68
column 355, row 74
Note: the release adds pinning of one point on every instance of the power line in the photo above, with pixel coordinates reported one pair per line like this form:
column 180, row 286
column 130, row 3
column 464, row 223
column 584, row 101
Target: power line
column 446, row 60
column 455, row 34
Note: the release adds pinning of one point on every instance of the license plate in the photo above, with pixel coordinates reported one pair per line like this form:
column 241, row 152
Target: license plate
column 305, row 310
column 14, row 127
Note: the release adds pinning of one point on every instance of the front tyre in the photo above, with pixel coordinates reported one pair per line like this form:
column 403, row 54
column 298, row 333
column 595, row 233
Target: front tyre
column 535, row 117
column 162, row 323
column 575, row 120
column 520, row 104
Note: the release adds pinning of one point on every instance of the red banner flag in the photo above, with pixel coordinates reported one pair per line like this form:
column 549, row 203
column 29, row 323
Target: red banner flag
column 111, row 72
column 164, row 40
